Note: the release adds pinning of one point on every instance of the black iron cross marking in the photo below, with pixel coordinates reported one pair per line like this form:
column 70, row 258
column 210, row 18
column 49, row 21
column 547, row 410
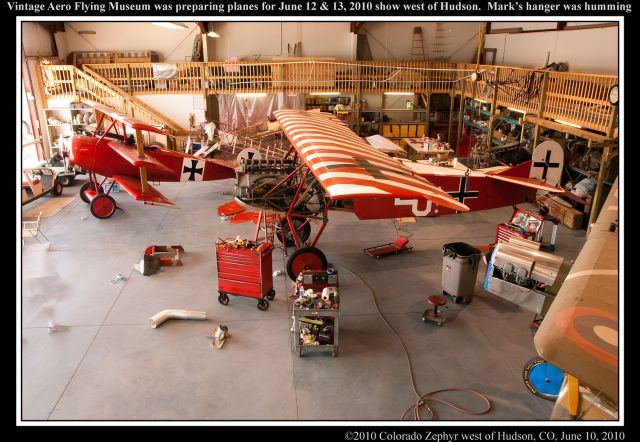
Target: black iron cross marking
column 374, row 171
column 546, row 165
column 192, row 170
column 462, row 193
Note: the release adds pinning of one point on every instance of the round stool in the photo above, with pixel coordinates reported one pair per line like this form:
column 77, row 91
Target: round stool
column 433, row 314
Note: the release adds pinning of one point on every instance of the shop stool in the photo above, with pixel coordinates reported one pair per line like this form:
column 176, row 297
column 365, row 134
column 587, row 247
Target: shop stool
column 433, row 314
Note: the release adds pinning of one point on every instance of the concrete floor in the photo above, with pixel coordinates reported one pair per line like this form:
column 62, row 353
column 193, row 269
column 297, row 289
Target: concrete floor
column 106, row 363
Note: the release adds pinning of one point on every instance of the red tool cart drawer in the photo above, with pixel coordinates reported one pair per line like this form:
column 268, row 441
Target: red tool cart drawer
column 245, row 272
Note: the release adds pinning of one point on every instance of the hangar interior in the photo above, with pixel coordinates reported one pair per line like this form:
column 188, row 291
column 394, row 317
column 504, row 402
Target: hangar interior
column 368, row 212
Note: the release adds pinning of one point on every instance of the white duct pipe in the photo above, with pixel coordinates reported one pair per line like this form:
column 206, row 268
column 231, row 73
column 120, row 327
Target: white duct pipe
column 162, row 316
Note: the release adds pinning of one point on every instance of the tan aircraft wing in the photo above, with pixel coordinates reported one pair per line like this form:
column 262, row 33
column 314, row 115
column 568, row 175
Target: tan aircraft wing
column 579, row 334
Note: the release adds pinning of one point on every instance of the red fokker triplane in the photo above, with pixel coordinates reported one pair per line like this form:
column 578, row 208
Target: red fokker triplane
column 125, row 158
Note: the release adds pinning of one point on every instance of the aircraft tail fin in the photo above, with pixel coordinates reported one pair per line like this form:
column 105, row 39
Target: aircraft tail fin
column 542, row 172
column 547, row 162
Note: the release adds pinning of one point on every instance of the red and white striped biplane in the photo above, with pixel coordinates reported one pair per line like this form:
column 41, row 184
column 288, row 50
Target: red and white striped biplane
column 330, row 167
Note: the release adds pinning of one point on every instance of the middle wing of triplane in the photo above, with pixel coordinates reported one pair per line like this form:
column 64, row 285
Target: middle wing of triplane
column 349, row 168
column 134, row 188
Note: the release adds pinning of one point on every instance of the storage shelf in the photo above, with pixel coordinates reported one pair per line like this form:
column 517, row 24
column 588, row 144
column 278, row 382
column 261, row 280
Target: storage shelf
column 477, row 126
column 66, row 129
column 482, row 112
column 588, row 174
column 488, row 114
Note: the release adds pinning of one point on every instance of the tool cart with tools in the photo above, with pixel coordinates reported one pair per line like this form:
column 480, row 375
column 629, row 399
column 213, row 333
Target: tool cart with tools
column 316, row 311
column 245, row 269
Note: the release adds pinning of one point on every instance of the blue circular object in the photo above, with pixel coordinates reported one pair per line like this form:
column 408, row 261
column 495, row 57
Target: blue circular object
column 542, row 378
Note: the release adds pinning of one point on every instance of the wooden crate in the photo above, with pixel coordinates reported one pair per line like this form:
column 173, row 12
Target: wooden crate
column 563, row 211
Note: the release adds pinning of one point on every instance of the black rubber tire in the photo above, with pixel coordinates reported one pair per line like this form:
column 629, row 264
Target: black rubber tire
column 263, row 304
column 271, row 294
column 99, row 200
column 304, row 234
column 67, row 180
column 84, row 187
column 154, row 145
column 223, row 298
column 57, row 188
column 299, row 261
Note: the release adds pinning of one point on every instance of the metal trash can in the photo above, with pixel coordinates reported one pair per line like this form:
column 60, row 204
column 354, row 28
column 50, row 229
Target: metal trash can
column 459, row 270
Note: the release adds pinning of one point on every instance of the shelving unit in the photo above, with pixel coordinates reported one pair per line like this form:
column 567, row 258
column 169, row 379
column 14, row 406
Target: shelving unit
column 373, row 122
column 473, row 116
column 321, row 322
column 588, row 174
column 325, row 104
column 316, row 314
column 66, row 122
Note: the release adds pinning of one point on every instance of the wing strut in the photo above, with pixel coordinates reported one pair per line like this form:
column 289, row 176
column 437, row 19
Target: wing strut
column 143, row 170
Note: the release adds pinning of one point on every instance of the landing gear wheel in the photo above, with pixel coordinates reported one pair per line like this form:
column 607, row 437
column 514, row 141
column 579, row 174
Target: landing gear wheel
column 303, row 234
column 263, row 304
column 223, row 298
column 84, row 187
column 102, row 206
column 542, row 378
column 305, row 258
column 66, row 180
column 154, row 145
column 271, row 294
column 57, row 188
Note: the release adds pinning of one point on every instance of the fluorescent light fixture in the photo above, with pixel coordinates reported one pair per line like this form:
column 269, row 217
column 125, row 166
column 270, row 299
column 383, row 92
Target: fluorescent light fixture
column 252, row 94
column 398, row 93
column 481, row 101
column 324, row 93
column 517, row 110
column 213, row 34
column 170, row 24
column 568, row 124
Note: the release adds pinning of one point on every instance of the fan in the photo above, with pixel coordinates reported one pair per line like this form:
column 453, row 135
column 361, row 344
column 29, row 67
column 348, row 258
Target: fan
column 197, row 55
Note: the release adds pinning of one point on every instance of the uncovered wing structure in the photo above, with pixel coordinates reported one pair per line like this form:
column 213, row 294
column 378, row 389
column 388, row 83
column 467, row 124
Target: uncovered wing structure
column 579, row 333
column 348, row 168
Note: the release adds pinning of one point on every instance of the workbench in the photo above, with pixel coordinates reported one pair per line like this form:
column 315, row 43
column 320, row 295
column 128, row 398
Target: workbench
column 435, row 148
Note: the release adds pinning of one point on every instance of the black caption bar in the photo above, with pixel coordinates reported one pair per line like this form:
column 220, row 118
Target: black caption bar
column 317, row 8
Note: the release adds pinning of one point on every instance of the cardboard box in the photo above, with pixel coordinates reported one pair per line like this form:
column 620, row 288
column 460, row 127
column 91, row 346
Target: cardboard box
column 563, row 211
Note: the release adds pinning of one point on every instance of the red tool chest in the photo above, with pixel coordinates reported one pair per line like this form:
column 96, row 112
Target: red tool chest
column 245, row 272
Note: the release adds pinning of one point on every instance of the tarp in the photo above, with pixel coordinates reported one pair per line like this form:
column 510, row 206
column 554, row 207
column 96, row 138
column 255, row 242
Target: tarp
column 237, row 112
column 162, row 71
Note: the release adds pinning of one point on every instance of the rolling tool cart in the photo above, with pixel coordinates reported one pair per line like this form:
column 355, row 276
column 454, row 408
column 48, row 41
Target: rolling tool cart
column 245, row 269
column 316, row 312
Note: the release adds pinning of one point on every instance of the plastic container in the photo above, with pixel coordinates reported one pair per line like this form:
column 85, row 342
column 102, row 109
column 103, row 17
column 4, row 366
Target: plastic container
column 459, row 270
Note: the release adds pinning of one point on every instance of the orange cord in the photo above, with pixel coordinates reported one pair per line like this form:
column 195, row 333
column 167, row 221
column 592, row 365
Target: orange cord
column 425, row 398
